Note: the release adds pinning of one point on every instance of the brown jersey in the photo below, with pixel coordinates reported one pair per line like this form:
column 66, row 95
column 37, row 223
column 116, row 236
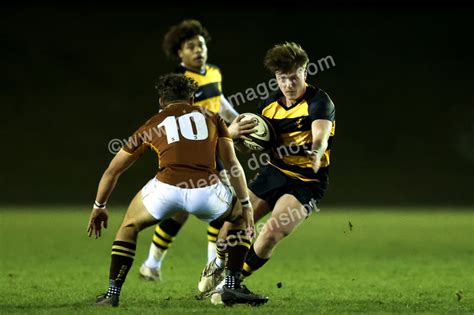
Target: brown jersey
column 185, row 139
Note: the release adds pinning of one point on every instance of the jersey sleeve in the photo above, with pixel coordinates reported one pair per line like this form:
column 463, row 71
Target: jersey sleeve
column 321, row 107
column 135, row 144
column 222, row 131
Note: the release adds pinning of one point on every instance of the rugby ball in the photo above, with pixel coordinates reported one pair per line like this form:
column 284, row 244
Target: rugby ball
column 264, row 135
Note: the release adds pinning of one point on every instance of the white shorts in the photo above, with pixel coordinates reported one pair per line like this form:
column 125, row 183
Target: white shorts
column 207, row 203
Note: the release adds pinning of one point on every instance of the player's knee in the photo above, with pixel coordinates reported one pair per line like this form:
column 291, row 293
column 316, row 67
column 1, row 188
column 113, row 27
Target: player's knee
column 131, row 227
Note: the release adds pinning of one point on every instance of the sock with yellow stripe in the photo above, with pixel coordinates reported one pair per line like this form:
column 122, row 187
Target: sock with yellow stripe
column 123, row 254
column 252, row 263
column 165, row 233
column 212, row 232
column 238, row 244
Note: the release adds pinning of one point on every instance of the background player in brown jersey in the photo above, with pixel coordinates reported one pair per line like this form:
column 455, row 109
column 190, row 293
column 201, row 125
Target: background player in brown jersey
column 184, row 182
column 186, row 43
column 296, row 178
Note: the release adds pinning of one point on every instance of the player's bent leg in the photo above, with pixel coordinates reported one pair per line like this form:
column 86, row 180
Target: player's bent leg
column 136, row 219
column 287, row 214
column 237, row 245
column 212, row 274
column 260, row 208
column 214, row 227
column 123, row 249
column 165, row 234
column 222, row 205
column 162, row 199
column 216, row 255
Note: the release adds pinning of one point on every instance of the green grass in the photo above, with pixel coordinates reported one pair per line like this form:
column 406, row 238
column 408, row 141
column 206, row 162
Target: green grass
column 412, row 260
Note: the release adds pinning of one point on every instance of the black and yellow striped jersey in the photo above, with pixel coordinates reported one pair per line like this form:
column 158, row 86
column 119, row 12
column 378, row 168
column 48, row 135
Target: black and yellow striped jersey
column 210, row 86
column 293, row 129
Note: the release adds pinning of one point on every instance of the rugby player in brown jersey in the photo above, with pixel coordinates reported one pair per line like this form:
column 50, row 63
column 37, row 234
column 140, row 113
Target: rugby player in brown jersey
column 185, row 182
column 186, row 43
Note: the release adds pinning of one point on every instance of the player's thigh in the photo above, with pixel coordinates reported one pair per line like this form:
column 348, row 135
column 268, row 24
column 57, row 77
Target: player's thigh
column 137, row 215
column 265, row 190
column 287, row 215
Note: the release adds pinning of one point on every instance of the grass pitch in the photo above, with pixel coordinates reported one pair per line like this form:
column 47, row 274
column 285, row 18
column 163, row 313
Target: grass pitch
column 407, row 260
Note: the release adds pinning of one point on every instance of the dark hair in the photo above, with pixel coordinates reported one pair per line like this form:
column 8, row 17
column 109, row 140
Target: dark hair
column 180, row 33
column 173, row 87
column 285, row 57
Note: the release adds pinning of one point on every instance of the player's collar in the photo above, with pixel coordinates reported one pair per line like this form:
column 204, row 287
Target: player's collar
column 202, row 72
column 176, row 103
column 298, row 100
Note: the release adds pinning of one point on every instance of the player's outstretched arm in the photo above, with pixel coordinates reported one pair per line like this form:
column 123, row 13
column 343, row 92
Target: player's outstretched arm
column 321, row 130
column 99, row 215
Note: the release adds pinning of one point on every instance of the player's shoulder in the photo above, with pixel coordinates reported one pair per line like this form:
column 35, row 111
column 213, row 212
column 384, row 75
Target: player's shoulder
column 212, row 67
column 320, row 105
column 213, row 71
column 186, row 109
column 145, row 130
column 317, row 96
column 272, row 97
column 153, row 120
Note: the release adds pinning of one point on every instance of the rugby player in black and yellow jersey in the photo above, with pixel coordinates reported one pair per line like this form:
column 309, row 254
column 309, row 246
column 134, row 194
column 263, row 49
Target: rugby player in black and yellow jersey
column 186, row 43
column 296, row 178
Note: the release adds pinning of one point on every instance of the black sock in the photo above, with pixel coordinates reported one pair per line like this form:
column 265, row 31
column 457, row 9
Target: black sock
column 113, row 288
column 122, row 259
column 232, row 279
column 165, row 233
column 252, row 263
column 237, row 247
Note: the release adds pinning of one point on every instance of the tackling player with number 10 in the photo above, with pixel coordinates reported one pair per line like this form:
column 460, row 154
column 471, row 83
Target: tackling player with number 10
column 184, row 182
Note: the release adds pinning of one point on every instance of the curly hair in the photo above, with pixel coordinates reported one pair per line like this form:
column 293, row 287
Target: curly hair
column 180, row 33
column 173, row 87
column 285, row 57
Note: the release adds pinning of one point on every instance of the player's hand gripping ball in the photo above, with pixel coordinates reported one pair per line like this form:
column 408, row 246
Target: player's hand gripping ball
column 264, row 135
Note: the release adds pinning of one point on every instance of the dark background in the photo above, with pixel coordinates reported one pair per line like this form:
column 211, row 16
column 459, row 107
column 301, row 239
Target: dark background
column 76, row 76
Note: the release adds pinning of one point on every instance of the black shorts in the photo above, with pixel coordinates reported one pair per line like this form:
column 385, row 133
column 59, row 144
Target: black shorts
column 271, row 184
